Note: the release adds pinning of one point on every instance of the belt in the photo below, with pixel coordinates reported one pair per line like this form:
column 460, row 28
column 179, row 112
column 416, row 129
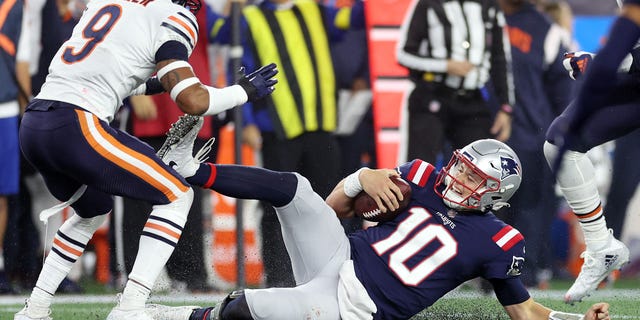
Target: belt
column 440, row 89
column 9, row 109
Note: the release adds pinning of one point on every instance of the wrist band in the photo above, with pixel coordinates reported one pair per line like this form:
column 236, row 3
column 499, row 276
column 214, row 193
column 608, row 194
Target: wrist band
column 352, row 184
column 556, row 315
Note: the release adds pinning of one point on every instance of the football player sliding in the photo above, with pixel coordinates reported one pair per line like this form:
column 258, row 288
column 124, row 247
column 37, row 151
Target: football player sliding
column 113, row 52
column 447, row 234
column 606, row 108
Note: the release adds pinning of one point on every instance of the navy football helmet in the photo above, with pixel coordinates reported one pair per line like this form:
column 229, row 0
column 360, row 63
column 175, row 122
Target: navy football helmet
column 193, row 5
column 496, row 172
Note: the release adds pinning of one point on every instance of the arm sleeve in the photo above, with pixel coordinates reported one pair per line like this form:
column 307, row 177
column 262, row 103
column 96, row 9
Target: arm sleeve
column 509, row 291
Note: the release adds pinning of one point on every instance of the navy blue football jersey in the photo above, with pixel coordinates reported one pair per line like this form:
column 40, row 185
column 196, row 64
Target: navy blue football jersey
column 407, row 264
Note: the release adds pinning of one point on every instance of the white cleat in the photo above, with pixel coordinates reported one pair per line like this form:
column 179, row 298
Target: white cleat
column 29, row 314
column 596, row 267
column 177, row 150
column 162, row 312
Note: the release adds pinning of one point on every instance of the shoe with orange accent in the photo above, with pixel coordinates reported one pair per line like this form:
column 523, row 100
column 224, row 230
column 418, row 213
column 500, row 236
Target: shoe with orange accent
column 596, row 267
column 30, row 314
column 177, row 150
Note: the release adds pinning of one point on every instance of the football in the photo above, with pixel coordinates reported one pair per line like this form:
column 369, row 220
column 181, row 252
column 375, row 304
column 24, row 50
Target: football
column 366, row 208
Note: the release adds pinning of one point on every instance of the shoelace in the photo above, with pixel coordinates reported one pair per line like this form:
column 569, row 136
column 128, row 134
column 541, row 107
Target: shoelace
column 201, row 155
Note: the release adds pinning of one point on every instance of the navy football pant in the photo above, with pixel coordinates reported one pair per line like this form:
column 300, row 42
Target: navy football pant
column 71, row 147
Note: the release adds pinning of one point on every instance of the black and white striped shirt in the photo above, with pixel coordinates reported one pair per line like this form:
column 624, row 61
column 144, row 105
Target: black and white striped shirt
column 435, row 31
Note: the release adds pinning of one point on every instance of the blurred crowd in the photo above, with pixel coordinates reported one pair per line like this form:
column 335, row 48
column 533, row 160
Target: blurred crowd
column 324, row 153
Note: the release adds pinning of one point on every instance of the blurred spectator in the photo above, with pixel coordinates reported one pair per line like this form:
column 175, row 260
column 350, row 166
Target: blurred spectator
column 51, row 23
column 14, row 92
column 452, row 50
column 151, row 119
column 543, row 90
column 294, row 128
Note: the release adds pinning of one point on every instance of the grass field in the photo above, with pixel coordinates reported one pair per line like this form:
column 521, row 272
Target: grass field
column 458, row 305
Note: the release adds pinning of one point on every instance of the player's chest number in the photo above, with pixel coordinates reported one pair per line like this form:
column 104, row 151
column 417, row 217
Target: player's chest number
column 94, row 32
column 403, row 245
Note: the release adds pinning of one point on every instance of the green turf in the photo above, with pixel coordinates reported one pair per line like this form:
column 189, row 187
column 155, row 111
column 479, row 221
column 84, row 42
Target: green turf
column 462, row 305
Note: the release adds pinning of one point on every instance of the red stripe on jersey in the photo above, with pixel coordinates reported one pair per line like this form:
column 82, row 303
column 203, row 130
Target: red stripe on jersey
column 420, row 172
column 501, row 233
column 517, row 238
column 212, row 176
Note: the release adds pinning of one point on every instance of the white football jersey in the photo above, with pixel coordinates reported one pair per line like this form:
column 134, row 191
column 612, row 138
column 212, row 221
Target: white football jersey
column 112, row 51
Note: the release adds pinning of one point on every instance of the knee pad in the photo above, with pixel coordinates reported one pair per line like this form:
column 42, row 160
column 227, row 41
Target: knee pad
column 177, row 209
column 87, row 226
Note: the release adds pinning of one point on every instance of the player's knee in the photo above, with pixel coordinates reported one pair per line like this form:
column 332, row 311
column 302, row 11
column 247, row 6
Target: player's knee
column 183, row 202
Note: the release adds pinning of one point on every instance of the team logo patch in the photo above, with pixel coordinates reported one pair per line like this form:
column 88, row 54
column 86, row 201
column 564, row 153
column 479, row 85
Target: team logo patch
column 516, row 266
column 509, row 167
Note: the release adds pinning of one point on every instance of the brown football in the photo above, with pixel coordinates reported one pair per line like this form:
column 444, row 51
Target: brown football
column 366, row 208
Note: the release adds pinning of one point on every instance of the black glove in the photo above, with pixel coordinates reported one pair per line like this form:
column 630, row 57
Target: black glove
column 259, row 83
column 153, row 86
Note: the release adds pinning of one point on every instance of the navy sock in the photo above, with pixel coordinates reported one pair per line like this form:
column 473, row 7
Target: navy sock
column 243, row 182
column 201, row 313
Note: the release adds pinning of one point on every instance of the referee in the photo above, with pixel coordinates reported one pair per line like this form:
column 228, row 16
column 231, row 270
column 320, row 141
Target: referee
column 453, row 49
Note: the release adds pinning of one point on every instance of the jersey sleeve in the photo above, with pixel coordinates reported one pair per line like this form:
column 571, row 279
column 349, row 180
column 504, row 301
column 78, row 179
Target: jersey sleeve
column 509, row 261
column 417, row 172
column 181, row 26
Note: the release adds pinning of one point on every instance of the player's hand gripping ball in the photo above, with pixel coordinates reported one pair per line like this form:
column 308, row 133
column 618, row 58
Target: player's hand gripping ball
column 366, row 208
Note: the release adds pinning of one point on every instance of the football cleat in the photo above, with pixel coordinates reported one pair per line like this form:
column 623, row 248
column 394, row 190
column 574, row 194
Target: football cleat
column 596, row 267
column 29, row 314
column 118, row 313
column 162, row 312
column 177, row 150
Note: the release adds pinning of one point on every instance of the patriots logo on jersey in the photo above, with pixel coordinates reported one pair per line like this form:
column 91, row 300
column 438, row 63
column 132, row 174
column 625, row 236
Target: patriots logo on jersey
column 516, row 266
column 509, row 167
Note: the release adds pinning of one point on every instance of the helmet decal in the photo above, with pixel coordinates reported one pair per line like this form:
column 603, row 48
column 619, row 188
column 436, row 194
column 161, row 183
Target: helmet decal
column 509, row 167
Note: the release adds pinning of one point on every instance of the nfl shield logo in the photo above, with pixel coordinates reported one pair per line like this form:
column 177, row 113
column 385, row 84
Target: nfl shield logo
column 509, row 167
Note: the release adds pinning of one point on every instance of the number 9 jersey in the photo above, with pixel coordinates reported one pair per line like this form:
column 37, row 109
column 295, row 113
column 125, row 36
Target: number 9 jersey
column 409, row 263
column 113, row 50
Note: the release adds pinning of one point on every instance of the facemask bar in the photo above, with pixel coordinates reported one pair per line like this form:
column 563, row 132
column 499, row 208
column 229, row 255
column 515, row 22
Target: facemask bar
column 447, row 177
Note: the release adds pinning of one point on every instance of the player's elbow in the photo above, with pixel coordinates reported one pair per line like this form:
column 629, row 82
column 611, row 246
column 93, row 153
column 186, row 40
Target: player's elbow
column 194, row 100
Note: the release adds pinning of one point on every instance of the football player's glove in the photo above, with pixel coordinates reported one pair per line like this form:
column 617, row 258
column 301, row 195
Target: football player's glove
column 576, row 63
column 259, row 83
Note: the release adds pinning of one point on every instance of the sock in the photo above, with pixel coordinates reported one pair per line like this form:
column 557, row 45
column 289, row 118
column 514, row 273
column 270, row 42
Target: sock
column 594, row 227
column 576, row 179
column 68, row 245
column 244, row 182
column 157, row 242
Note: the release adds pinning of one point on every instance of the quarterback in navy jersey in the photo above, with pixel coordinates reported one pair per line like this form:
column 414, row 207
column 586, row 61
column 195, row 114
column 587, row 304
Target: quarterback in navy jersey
column 444, row 237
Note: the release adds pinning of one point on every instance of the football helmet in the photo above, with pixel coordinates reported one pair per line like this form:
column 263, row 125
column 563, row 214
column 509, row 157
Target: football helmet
column 193, row 5
column 492, row 174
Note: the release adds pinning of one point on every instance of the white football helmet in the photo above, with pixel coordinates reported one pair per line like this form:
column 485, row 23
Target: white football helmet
column 493, row 163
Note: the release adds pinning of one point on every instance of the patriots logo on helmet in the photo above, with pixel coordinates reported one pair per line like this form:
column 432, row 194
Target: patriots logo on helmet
column 509, row 167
